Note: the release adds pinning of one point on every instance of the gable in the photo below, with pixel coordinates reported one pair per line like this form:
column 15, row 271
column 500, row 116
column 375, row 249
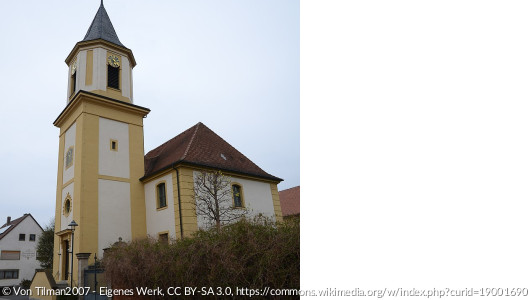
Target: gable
column 6, row 229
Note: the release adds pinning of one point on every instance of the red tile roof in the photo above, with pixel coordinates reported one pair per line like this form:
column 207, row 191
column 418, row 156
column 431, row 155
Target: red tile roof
column 290, row 201
column 200, row 146
column 11, row 225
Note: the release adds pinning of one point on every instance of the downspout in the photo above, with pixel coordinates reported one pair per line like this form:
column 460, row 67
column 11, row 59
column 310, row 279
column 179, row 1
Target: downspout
column 180, row 207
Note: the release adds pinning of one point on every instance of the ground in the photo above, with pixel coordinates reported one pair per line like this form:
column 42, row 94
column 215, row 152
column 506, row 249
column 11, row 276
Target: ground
column 14, row 297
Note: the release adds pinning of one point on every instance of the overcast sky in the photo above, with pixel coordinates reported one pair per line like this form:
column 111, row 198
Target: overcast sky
column 233, row 65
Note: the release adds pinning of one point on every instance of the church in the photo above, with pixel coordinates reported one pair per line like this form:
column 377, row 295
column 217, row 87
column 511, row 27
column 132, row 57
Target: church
column 108, row 186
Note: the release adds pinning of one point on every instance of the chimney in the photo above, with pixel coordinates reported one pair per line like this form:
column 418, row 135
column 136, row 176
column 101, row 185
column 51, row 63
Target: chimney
column 8, row 220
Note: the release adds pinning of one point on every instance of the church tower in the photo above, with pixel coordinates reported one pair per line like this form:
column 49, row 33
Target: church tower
column 101, row 150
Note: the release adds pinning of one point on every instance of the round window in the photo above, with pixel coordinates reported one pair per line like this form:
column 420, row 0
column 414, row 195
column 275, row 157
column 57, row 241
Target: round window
column 67, row 206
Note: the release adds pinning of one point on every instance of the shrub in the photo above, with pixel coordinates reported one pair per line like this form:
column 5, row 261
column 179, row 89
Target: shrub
column 25, row 284
column 248, row 254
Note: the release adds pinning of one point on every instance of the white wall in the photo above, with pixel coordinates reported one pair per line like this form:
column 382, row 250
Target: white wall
column 113, row 163
column 81, row 71
column 114, row 210
column 160, row 220
column 28, row 261
column 257, row 198
column 125, row 77
column 69, row 141
column 99, row 72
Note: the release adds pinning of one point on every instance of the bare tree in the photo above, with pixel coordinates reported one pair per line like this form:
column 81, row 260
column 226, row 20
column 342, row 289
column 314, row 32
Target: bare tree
column 213, row 199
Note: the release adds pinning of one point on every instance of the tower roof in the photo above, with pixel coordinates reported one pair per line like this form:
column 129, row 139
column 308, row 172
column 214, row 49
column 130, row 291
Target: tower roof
column 101, row 28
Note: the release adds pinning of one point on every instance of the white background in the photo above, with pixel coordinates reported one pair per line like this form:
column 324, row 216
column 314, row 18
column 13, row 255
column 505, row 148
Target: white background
column 415, row 144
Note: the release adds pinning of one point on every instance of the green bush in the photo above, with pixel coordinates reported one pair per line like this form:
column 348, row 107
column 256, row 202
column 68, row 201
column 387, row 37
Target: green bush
column 247, row 254
column 25, row 284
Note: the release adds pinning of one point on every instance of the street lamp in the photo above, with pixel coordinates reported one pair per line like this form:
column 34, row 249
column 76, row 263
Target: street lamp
column 72, row 225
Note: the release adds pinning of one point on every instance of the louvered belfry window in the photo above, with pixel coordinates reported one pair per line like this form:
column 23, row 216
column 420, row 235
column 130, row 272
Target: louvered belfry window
column 113, row 77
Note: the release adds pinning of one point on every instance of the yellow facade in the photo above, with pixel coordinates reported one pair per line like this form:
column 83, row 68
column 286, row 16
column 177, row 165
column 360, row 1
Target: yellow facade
column 85, row 110
column 42, row 281
column 187, row 200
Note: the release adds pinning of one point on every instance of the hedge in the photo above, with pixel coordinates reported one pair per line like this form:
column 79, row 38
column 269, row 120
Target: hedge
column 248, row 254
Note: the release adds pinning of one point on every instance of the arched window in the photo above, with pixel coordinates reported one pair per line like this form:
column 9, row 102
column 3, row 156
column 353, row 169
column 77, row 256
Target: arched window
column 113, row 77
column 161, row 195
column 237, row 195
column 67, row 208
column 74, row 79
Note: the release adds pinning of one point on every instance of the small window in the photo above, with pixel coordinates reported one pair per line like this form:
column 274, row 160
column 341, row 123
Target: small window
column 31, row 237
column 22, row 237
column 161, row 195
column 163, row 238
column 10, row 255
column 114, row 145
column 8, row 274
column 69, row 157
column 113, row 77
column 238, row 198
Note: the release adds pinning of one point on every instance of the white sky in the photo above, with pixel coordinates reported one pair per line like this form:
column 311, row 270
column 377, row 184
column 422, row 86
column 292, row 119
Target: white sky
column 233, row 65
column 426, row 181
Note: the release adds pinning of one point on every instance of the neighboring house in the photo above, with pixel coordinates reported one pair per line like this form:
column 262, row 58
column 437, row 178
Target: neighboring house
column 290, row 202
column 18, row 244
column 104, row 181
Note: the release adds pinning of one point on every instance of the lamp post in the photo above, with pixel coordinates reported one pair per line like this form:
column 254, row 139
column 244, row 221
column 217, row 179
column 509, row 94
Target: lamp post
column 72, row 225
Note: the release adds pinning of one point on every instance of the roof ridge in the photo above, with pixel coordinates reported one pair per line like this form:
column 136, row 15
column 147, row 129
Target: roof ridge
column 191, row 141
column 200, row 146
column 230, row 145
column 14, row 223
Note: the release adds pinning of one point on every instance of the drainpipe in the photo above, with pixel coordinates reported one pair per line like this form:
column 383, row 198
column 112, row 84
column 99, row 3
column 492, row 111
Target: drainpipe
column 180, row 207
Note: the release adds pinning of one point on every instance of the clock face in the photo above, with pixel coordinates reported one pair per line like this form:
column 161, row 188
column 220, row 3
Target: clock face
column 114, row 61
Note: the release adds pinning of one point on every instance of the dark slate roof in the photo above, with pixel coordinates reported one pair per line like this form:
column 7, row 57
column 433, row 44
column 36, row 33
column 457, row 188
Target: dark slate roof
column 200, row 146
column 11, row 225
column 290, row 201
column 101, row 28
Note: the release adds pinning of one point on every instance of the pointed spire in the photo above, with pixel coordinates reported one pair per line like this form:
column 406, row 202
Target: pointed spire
column 101, row 28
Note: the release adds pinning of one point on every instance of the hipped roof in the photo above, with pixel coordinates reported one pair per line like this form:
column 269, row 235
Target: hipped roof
column 200, row 146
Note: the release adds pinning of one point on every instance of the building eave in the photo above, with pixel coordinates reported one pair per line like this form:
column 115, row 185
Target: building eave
column 183, row 163
column 77, row 99
column 99, row 42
